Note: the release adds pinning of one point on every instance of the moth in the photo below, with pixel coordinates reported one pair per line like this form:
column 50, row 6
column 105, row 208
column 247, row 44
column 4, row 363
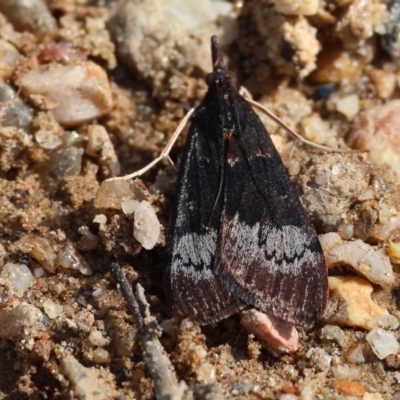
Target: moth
column 239, row 235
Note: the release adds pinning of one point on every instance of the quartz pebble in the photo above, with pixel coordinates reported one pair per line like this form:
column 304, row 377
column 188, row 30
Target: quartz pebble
column 9, row 59
column 297, row 7
column 69, row 257
column 350, row 303
column 383, row 343
column 30, row 15
column 52, row 309
column 274, row 333
column 112, row 193
column 146, row 227
column 19, row 275
column 21, row 322
column 81, row 92
column 364, row 259
column 376, row 130
column 96, row 338
column 348, row 106
column 14, row 112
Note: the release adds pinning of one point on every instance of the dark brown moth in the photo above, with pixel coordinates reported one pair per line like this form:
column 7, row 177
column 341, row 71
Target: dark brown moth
column 238, row 234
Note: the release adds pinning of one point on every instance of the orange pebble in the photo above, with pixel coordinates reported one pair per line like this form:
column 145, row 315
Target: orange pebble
column 348, row 387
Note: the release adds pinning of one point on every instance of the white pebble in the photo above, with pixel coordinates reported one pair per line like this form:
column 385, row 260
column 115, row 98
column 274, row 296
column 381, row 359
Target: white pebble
column 47, row 139
column 349, row 106
column 146, row 227
column 388, row 321
column 372, row 264
column 81, row 92
column 383, row 343
column 52, row 309
column 129, row 206
column 39, row 272
column 100, row 219
column 96, row 338
column 19, row 275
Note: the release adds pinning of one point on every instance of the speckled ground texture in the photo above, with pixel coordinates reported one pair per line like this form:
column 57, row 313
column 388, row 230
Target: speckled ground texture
column 94, row 89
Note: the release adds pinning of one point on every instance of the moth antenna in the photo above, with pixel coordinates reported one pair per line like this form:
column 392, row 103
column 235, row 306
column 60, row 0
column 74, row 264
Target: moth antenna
column 217, row 54
column 164, row 153
column 244, row 92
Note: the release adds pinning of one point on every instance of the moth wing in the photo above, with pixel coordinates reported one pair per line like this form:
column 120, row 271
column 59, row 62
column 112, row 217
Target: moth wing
column 268, row 251
column 192, row 288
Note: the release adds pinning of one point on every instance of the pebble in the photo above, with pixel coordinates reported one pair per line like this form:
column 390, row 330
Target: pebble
column 297, row 7
column 101, row 356
column 350, row 303
column 160, row 42
column 23, row 321
column 384, row 82
column 42, row 251
column 349, row 105
column 385, row 229
column 146, row 226
column 85, row 383
column 100, row 147
column 363, row 258
column 333, row 333
column 30, row 15
column 112, row 193
column 80, row 92
column 348, row 387
column 47, row 140
column 9, row 59
column 13, row 111
column 274, row 333
column 96, row 338
column 376, row 130
column 19, row 275
column 52, row 309
column 344, row 371
column 69, row 257
column 393, row 250
column 382, row 342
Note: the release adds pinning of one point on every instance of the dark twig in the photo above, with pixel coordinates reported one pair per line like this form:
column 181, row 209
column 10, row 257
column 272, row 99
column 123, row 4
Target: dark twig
column 158, row 364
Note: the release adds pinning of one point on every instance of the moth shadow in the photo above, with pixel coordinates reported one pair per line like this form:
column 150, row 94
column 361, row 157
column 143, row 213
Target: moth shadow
column 228, row 332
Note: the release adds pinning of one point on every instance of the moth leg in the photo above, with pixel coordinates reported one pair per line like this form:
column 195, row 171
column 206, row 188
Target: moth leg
column 164, row 153
column 244, row 92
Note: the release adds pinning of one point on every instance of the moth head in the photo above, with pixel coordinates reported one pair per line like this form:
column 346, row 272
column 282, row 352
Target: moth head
column 220, row 73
